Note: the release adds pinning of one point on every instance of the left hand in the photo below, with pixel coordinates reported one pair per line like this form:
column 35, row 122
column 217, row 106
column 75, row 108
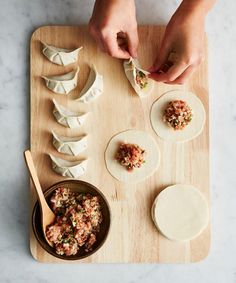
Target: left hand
column 114, row 27
column 183, row 40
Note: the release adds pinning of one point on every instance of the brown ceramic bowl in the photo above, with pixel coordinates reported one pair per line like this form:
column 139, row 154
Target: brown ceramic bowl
column 80, row 187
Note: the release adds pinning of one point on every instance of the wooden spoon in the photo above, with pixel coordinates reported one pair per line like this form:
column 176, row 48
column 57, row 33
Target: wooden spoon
column 47, row 216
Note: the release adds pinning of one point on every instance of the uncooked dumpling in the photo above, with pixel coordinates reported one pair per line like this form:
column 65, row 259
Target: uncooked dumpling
column 60, row 56
column 68, row 118
column 143, row 140
column 62, row 84
column 93, row 87
column 138, row 77
column 71, row 146
column 72, row 169
column 192, row 130
column 180, row 212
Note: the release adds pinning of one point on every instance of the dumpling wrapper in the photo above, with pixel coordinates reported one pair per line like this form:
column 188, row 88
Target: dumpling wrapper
column 72, row 169
column 60, row 56
column 70, row 145
column 192, row 130
column 151, row 157
column 180, row 212
column 68, row 118
column 62, row 84
column 131, row 68
column 93, row 87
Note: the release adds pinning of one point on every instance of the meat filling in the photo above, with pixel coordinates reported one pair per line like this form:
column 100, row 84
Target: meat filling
column 178, row 114
column 130, row 155
column 78, row 219
column 141, row 79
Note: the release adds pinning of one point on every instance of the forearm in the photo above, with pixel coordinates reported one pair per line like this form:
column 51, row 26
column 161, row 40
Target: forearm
column 199, row 7
column 111, row 2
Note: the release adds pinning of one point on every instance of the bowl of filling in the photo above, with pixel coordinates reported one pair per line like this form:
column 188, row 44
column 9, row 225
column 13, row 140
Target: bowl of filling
column 82, row 220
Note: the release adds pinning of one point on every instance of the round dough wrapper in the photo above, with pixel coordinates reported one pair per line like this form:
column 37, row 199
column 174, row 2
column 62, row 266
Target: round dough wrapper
column 152, row 156
column 180, row 212
column 192, row 130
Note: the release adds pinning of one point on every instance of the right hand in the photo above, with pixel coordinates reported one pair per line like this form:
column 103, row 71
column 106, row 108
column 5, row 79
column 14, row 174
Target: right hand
column 113, row 25
column 182, row 47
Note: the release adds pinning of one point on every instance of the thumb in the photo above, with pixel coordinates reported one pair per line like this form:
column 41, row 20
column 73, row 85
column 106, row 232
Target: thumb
column 132, row 38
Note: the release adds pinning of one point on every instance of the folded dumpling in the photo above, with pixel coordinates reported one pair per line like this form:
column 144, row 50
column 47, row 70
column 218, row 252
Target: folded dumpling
column 71, row 146
column 68, row 118
column 72, row 169
column 60, row 56
column 93, row 87
column 62, row 84
column 138, row 77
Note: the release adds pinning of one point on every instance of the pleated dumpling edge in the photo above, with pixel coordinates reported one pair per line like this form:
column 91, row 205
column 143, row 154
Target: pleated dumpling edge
column 70, row 145
column 62, row 84
column 68, row 118
column 60, row 56
column 93, row 86
column 65, row 168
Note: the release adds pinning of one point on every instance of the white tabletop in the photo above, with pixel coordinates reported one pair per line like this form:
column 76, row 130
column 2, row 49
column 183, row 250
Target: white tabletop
column 18, row 19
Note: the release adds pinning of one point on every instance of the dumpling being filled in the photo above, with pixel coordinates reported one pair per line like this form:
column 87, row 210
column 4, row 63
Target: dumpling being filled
column 93, row 87
column 62, row 84
column 70, row 145
column 138, row 77
column 68, row 118
column 60, row 56
column 72, row 169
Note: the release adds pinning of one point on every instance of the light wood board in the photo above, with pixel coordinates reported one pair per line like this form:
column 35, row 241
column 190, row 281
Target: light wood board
column 133, row 237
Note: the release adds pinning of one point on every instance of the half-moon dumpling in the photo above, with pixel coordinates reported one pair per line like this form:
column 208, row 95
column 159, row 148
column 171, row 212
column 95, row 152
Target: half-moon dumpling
column 68, row 118
column 138, row 77
column 60, row 56
column 62, row 84
column 93, row 87
column 72, row 169
column 71, row 146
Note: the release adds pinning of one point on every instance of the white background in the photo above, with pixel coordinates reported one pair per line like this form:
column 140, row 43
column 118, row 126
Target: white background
column 18, row 19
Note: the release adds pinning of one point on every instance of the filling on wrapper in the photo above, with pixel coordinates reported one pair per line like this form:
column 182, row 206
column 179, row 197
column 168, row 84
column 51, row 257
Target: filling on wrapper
column 78, row 219
column 178, row 114
column 141, row 79
column 130, row 155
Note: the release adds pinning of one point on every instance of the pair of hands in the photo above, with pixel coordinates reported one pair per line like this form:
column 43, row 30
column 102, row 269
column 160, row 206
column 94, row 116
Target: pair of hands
column 113, row 25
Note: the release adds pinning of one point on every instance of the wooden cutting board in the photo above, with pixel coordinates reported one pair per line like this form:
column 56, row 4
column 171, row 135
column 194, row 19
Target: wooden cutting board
column 133, row 237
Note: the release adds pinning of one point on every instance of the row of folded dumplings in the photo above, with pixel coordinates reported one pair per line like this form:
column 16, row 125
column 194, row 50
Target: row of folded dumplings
column 64, row 84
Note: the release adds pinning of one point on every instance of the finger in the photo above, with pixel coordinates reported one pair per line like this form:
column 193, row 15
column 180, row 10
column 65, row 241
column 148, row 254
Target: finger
column 132, row 37
column 184, row 76
column 113, row 49
column 173, row 73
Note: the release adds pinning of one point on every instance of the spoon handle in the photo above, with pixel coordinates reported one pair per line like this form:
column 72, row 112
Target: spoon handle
column 34, row 178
